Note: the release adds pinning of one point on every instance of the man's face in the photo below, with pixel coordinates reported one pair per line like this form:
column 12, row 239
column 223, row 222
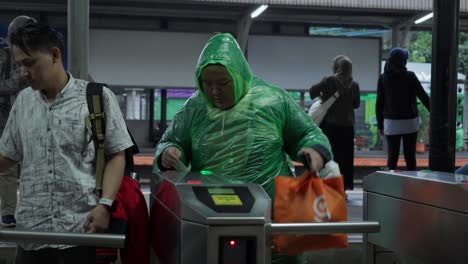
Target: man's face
column 36, row 68
column 217, row 84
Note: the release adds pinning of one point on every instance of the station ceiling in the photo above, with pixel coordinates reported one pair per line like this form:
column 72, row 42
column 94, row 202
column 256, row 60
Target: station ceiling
column 292, row 17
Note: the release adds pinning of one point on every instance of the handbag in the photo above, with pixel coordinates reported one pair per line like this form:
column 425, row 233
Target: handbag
column 309, row 199
column 319, row 109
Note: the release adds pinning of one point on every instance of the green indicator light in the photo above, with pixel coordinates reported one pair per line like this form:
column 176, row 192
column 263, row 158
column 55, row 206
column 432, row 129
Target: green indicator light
column 205, row 172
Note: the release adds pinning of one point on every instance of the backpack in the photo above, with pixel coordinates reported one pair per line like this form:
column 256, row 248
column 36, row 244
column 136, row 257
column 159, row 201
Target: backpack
column 131, row 214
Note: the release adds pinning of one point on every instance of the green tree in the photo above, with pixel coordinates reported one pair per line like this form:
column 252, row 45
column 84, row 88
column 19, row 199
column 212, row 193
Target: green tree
column 420, row 49
column 463, row 53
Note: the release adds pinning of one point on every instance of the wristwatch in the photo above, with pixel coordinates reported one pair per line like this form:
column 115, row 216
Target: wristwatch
column 109, row 203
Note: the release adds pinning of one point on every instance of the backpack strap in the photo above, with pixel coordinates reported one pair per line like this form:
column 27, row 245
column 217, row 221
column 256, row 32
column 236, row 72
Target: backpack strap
column 96, row 122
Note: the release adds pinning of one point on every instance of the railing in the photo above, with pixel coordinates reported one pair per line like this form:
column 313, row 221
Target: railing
column 323, row 228
column 77, row 239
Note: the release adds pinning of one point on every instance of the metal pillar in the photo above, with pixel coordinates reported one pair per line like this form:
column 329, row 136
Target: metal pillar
column 395, row 36
column 465, row 113
column 444, row 85
column 78, row 38
column 151, row 114
column 302, row 99
column 243, row 29
column 163, row 121
column 405, row 37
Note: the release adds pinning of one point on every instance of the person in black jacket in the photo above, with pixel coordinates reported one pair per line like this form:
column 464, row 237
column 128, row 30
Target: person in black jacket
column 338, row 123
column 396, row 108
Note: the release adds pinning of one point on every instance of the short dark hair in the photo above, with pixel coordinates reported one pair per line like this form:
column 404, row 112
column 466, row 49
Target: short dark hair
column 37, row 36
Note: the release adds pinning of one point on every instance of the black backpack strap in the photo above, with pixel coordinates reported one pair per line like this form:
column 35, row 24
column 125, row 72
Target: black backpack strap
column 96, row 121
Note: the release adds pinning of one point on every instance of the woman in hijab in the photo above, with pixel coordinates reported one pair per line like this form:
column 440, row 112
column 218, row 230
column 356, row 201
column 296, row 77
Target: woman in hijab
column 338, row 123
column 396, row 108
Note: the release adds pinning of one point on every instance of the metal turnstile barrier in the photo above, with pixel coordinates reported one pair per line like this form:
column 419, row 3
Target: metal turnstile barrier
column 202, row 219
column 323, row 228
column 77, row 239
column 424, row 217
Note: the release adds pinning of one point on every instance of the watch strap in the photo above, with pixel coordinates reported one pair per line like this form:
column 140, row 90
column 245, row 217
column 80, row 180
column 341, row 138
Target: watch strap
column 109, row 203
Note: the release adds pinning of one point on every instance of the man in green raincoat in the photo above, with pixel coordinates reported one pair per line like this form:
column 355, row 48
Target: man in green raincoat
column 237, row 125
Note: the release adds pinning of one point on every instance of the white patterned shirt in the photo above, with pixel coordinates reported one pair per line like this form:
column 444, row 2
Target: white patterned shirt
column 57, row 180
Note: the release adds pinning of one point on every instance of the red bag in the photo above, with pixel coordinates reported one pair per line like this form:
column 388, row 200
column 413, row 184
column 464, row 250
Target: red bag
column 305, row 200
column 137, row 248
column 131, row 218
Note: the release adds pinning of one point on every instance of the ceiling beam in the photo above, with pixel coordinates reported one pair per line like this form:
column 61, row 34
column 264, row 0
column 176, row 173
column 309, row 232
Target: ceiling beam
column 164, row 12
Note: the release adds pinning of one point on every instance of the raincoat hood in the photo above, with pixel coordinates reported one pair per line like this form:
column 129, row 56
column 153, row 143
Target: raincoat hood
column 223, row 49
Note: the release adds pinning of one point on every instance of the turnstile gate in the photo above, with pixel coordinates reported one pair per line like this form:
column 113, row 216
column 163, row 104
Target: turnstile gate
column 203, row 219
column 196, row 219
column 424, row 217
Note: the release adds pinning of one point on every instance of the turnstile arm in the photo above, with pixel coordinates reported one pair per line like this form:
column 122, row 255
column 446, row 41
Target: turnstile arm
column 77, row 239
column 322, row 228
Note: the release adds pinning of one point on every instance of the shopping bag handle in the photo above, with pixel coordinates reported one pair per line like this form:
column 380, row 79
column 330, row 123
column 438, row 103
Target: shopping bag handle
column 303, row 180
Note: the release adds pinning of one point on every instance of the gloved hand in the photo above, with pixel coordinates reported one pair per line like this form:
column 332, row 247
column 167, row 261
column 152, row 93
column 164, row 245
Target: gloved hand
column 330, row 170
column 311, row 159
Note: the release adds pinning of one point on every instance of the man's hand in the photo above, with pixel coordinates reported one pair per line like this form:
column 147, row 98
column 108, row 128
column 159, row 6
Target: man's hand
column 170, row 157
column 97, row 220
column 381, row 132
column 316, row 160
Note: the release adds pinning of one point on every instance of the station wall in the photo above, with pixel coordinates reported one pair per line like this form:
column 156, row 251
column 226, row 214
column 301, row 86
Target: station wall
column 299, row 62
column 168, row 59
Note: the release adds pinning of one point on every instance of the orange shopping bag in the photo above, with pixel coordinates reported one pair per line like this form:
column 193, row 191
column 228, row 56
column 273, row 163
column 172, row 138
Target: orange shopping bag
column 309, row 199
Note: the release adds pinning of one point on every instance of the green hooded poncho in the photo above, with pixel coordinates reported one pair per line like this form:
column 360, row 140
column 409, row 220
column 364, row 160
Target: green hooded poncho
column 249, row 142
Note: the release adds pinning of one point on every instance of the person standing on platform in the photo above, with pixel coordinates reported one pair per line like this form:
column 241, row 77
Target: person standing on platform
column 10, row 84
column 396, row 108
column 338, row 123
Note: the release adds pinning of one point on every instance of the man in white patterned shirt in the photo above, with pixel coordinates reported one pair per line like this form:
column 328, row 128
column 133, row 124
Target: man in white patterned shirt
column 46, row 132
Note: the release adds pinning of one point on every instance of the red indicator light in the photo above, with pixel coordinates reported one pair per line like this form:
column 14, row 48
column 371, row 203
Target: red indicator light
column 194, row 182
column 232, row 243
